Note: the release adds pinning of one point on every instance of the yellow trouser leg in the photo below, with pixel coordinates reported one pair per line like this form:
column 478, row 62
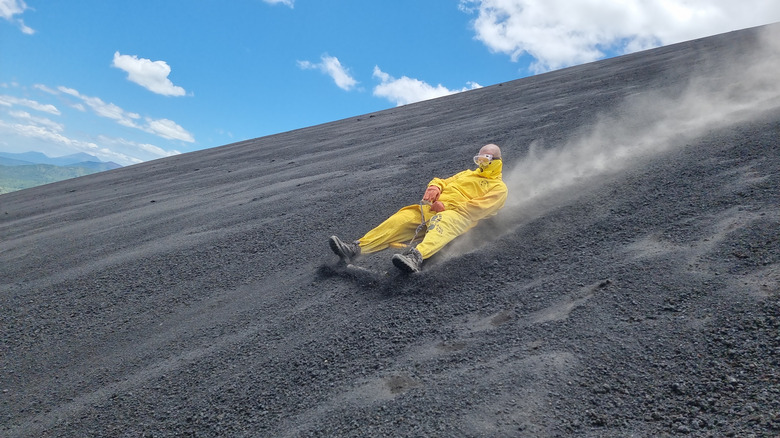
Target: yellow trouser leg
column 399, row 227
column 442, row 228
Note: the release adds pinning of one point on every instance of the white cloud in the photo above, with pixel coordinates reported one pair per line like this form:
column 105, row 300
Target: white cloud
column 10, row 101
column 290, row 3
column 560, row 33
column 331, row 66
column 164, row 128
column 107, row 110
column 51, row 137
column 41, row 121
column 407, row 90
column 155, row 150
column 152, row 75
column 10, row 8
column 26, row 129
column 168, row 129
column 148, row 151
column 67, row 90
column 45, row 89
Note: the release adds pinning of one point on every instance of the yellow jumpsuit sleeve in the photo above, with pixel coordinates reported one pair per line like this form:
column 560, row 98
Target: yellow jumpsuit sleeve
column 443, row 183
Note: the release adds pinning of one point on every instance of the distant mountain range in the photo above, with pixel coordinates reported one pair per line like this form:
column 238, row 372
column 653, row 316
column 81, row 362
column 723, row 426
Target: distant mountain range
column 29, row 169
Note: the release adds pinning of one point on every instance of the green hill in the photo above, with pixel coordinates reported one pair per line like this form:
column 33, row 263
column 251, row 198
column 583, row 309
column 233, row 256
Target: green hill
column 14, row 178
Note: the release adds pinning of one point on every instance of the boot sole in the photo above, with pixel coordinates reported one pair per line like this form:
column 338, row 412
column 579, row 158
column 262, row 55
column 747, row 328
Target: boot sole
column 401, row 264
column 336, row 248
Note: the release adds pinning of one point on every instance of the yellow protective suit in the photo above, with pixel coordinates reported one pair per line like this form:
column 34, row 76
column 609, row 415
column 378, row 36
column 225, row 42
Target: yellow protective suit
column 468, row 197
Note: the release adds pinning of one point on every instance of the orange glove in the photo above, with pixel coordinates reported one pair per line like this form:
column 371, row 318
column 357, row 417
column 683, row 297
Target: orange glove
column 437, row 206
column 432, row 194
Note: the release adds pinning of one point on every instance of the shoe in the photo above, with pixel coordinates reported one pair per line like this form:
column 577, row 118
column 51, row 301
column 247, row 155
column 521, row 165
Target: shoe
column 346, row 251
column 409, row 262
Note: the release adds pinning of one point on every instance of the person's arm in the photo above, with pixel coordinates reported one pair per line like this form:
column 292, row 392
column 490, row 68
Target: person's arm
column 443, row 183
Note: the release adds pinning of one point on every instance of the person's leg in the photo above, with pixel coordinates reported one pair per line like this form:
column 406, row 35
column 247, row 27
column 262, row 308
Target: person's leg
column 442, row 228
column 399, row 227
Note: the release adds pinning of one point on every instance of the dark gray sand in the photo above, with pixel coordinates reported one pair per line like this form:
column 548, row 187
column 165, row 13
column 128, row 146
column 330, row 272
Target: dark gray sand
column 629, row 288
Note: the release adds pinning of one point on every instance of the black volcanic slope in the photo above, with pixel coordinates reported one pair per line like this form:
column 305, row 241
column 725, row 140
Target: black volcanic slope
column 629, row 288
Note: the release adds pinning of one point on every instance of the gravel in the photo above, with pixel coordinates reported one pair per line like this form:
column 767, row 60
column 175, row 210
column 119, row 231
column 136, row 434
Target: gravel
column 196, row 295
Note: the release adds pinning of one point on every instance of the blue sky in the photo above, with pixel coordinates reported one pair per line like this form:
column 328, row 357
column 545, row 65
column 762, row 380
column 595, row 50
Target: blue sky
column 134, row 81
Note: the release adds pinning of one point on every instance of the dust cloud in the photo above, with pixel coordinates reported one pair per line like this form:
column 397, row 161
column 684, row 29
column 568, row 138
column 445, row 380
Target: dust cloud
column 646, row 124
column 650, row 123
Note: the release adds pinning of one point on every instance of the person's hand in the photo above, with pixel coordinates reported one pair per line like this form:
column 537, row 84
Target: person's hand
column 432, row 194
column 437, row 206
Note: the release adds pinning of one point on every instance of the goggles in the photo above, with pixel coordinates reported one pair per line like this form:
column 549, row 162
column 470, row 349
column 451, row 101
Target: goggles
column 483, row 160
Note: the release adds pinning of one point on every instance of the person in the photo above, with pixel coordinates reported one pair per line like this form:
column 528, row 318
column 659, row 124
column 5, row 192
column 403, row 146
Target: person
column 449, row 207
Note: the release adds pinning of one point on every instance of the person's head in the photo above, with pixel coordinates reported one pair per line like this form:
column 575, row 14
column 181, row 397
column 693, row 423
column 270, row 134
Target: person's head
column 487, row 154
